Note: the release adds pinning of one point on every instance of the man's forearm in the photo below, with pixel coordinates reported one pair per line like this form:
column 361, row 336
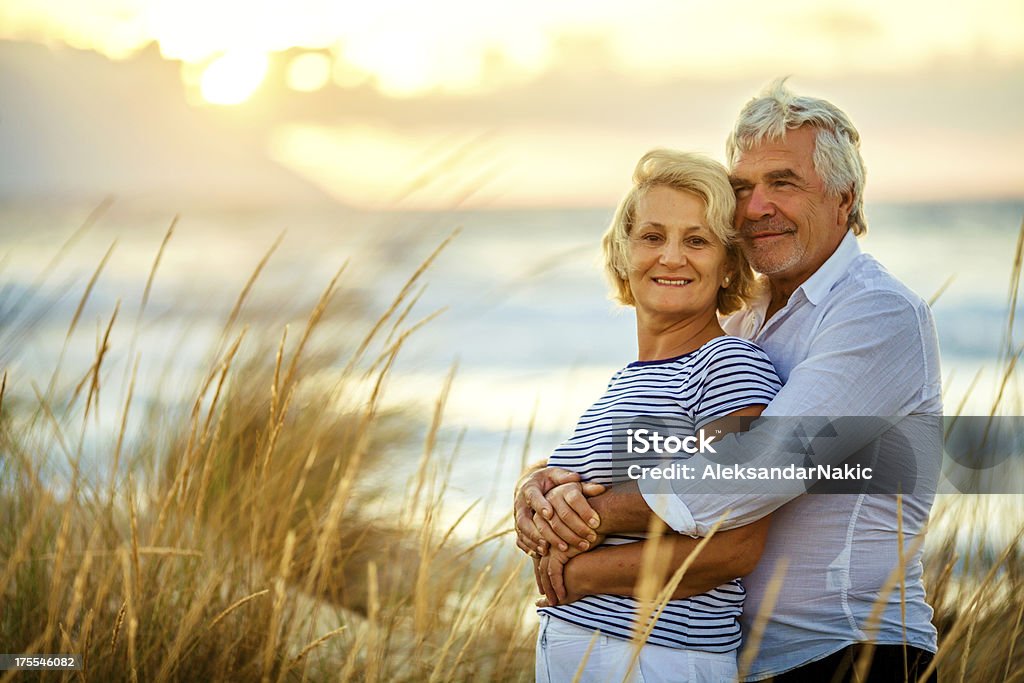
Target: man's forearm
column 621, row 509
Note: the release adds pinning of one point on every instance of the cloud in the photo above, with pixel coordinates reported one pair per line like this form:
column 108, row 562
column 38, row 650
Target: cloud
column 74, row 124
column 414, row 48
column 75, row 121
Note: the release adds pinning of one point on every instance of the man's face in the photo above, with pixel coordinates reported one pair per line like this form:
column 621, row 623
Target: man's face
column 787, row 224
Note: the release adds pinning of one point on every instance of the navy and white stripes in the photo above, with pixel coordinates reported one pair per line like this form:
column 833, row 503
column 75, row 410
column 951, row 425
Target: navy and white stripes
column 723, row 376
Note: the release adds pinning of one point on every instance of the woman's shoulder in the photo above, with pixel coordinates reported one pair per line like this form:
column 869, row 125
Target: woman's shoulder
column 728, row 346
column 728, row 356
column 724, row 350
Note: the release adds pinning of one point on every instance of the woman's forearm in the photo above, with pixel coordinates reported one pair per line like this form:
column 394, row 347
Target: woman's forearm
column 616, row 569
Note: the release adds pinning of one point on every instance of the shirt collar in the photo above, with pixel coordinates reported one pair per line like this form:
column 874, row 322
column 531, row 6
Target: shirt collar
column 750, row 321
column 821, row 281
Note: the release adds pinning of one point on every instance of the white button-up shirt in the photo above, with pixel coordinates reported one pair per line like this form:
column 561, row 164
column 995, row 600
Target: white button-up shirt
column 851, row 341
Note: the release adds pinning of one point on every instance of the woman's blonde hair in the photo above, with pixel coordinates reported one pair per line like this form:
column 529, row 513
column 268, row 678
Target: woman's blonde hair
column 698, row 175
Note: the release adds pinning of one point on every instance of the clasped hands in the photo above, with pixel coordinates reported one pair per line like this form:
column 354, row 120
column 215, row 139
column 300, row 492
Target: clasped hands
column 554, row 523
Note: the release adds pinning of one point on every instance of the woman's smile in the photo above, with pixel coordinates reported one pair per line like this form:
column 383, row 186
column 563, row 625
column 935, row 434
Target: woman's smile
column 672, row 282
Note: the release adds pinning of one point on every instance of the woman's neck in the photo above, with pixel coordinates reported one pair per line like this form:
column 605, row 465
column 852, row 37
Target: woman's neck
column 658, row 340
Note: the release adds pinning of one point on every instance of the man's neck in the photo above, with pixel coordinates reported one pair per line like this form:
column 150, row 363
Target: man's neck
column 779, row 298
column 782, row 285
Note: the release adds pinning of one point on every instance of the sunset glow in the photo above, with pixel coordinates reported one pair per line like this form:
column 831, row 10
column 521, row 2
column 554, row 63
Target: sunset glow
column 309, row 72
column 347, row 97
column 457, row 45
column 233, row 78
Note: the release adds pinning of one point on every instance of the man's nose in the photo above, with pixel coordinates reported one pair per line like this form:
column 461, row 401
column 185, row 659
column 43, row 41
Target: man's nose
column 759, row 204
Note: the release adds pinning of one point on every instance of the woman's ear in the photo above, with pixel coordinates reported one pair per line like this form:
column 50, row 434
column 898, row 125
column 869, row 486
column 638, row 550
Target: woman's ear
column 731, row 267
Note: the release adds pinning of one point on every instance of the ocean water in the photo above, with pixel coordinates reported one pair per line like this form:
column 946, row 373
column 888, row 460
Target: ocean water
column 524, row 313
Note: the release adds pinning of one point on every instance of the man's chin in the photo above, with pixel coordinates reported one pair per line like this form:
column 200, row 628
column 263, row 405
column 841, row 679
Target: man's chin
column 767, row 260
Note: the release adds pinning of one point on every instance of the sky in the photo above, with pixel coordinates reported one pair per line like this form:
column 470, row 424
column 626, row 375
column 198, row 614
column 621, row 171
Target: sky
column 455, row 102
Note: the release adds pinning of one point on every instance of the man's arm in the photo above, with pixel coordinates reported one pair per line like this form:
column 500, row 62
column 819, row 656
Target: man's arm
column 855, row 367
column 622, row 509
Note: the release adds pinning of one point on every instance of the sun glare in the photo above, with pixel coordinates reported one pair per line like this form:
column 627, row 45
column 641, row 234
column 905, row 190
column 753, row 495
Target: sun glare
column 309, row 72
column 233, row 78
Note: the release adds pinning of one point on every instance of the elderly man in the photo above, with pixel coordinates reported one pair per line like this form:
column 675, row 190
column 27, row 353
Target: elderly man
column 847, row 339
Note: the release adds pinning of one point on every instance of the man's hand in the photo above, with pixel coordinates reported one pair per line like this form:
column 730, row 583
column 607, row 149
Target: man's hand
column 530, row 499
column 574, row 521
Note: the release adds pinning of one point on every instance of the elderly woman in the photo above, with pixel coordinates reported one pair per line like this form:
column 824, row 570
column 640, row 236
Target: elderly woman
column 670, row 254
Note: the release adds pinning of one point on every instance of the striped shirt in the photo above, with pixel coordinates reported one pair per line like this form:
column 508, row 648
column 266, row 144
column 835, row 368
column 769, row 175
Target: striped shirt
column 724, row 375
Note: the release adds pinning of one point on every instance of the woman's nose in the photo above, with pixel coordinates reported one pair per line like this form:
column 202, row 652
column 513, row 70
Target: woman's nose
column 673, row 254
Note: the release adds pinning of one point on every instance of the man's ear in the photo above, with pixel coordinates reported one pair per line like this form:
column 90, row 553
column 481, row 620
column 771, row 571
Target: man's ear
column 845, row 208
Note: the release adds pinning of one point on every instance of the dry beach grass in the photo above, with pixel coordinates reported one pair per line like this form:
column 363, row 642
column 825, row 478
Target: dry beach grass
column 238, row 538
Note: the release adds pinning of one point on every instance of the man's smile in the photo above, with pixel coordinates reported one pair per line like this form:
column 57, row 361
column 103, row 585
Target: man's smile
column 761, row 235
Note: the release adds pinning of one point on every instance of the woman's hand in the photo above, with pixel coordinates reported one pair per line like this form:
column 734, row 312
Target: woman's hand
column 549, row 572
column 574, row 520
column 530, row 503
column 554, row 568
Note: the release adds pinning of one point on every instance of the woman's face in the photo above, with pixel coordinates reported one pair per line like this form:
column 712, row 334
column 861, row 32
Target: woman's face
column 676, row 264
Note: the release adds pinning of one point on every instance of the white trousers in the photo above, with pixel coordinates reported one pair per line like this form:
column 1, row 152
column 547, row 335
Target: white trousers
column 561, row 647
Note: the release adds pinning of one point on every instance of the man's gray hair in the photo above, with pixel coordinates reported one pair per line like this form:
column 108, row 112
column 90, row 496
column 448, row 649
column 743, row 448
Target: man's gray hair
column 837, row 157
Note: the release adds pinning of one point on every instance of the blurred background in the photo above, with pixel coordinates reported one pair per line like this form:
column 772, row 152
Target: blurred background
column 367, row 132
column 549, row 103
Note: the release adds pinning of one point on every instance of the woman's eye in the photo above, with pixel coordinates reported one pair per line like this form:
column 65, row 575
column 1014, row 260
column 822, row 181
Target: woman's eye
column 698, row 241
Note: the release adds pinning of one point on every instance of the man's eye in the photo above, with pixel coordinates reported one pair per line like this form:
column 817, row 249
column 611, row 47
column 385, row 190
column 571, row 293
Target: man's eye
column 741, row 191
column 782, row 183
